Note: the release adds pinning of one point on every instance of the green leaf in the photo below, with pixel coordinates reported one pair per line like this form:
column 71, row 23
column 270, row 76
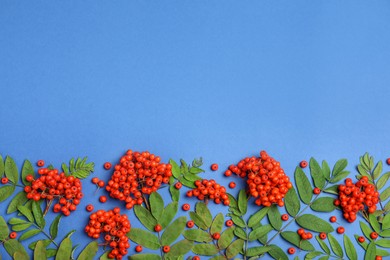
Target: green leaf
column 18, row 199
column 196, row 170
column 187, row 183
column 314, row 223
column 335, row 245
column 191, row 177
column 205, row 249
column 342, row 175
column 12, row 246
column 65, row 250
column 175, row 193
column 21, row 256
column 384, row 233
column 233, row 201
column 382, row 180
column 234, row 248
column 242, row 202
column 65, row 168
column 27, row 169
column 257, row 250
column 385, row 194
column 383, row 243
column 240, row 233
column 365, row 229
column 291, row 201
column 363, row 171
column 156, row 205
column 197, row 235
column 180, row 248
column 11, row 171
column 4, row 230
column 296, row 240
column 339, row 166
column 374, row 223
column 202, row 210
column 259, row 215
column 144, row 238
column 54, row 227
column 46, row 242
column 145, row 217
column 323, row 204
column 21, row 227
column 175, row 168
column 386, row 222
column 38, row 215
column 81, row 169
column 226, row 238
column 316, row 173
column 6, row 192
column 1, row 167
column 370, row 252
column 378, row 170
column 350, row 248
column 217, row 224
column 173, row 231
column 40, row 251
column 304, row 188
column 326, row 170
column 274, row 217
column 323, row 245
column 198, row 220
column 145, row 257
column 26, row 212
column 168, row 214
column 259, row 232
column 312, row 255
column 238, row 221
column 333, row 190
column 29, row 233
column 277, row 253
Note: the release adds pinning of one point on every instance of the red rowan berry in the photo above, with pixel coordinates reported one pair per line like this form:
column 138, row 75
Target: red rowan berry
column 166, row 249
column 303, row 164
column 229, row 223
column 340, row 230
column 232, row 184
column 13, row 235
column 322, row 235
column 178, row 185
column 214, row 167
column 102, row 199
column 4, row 180
column 291, row 251
column 316, row 190
column 186, row 207
column 138, row 248
column 89, row 207
column 216, row 236
column 190, row 224
column 332, row 219
column 378, row 257
column 361, row 239
column 40, row 163
column 285, row 217
column 374, row 235
column 157, row 228
column 107, row 165
column 300, row 231
column 196, row 258
column 388, row 161
column 101, row 184
column 95, row 180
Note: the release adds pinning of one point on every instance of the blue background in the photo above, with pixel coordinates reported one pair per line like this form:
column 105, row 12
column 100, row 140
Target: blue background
column 185, row 79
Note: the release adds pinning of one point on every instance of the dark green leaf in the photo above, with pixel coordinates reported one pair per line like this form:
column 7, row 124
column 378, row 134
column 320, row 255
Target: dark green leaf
column 378, row 170
column 233, row 201
column 323, row 204
column 65, row 250
column 339, row 166
column 234, row 248
column 314, row 223
column 226, row 238
column 21, row 227
column 191, row 177
column 27, row 169
column 238, row 221
column 89, row 252
column 4, row 230
column 180, row 248
column 326, row 170
column 173, row 231
column 175, row 193
column 257, row 250
column 32, row 245
column 26, row 212
column 339, row 177
column 187, row 183
column 145, row 217
column 333, row 190
column 365, row 229
column 197, row 235
column 382, row 180
column 202, row 210
column 386, row 222
column 196, row 170
column 242, row 202
column 291, row 202
column 198, row 220
column 335, row 245
column 145, row 257
column 28, row 234
column 15, row 221
column 259, row 232
column 156, row 205
column 258, row 216
column 175, row 168
column 40, row 251
column 304, row 188
column 217, row 224
column 11, row 171
column 374, row 223
column 383, row 243
column 1, row 166
column 240, row 233
column 312, row 255
column 385, row 194
column 323, row 245
column 54, row 227
column 38, row 215
column 274, row 217
column 183, row 166
column 18, row 199
column 144, row 238
column 350, row 248
column 12, row 246
column 277, row 253
column 371, row 252
column 205, row 249
column 168, row 214
column 296, row 240
column 316, row 173
column 6, row 192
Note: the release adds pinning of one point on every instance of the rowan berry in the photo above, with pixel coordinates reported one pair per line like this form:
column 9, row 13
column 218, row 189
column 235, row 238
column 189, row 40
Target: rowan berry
column 228, row 173
column 229, row 223
column 378, row 257
column 214, row 167
column 157, row 228
column 166, row 249
column 340, row 230
column 29, row 178
column 186, row 207
column 374, row 235
column 333, row 219
column 232, row 184
column 309, row 235
column 361, row 239
column 4, row 180
column 209, row 189
column 190, row 224
column 291, row 251
column 216, row 236
column 40, row 163
column 323, row 235
column 107, row 165
column 95, row 180
column 138, row 248
column 178, row 185
column 303, row 164
column 100, row 184
column 285, row 217
column 13, row 235
column 316, row 190
column 388, row 161
column 196, row 258
column 102, row 199
column 89, row 207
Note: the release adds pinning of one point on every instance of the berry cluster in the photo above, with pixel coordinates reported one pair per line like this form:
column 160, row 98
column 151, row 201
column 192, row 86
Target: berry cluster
column 209, row 189
column 356, row 197
column 304, row 235
column 265, row 178
column 54, row 185
column 114, row 227
column 137, row 174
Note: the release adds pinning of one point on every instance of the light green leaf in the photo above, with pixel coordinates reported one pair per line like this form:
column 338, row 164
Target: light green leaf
column 4, row 230
column 370, row 252
column 383, row 180
column 314, row 223
column 168, row 214
column 365, row 229
column 385, row 194
column 6, row 192
column 38, row 215
column 312, row 255
column 145, row 257
column 21, row 227
column 323, row 204
column 291, row 202
column 238, row 221
column 296, row 240
column 234, row 248
column 197, row 235
column 378, row 170
column 175, row 168
column 350, row 248
column 304, row 188
column 27, row 169
column 323, row 245
column 374, row 223
column 259, row 215
column 339, row 166
column 242, row 201
column 40, row 251
column 386, row 222
column 202, row 210
column 332, row 190
column 54, row 227
column 144, row 238
column 226, row 238
column 156, row 205
column 11, row 171
column 383, row 243
column 18, row 199
column 217, row 224
column 198, row 220
column 342, row 175
column 240, row 233
column 26, row 212
column 326, row 170
column 316, row 173
column 1, row 167
column 89, row 252
column 277, row 253
column 12, row 246
column 175, row 193
column 274, row 217
column 29, row 233
column 180, row 248
column 205, row 249
column 32, row 245
column 257, row 250
column 145, row 217
column 173, row 231
column 65, row 250
column 335, row 245
column 259, row 232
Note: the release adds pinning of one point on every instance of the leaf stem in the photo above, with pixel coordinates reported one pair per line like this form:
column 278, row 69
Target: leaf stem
column 46, row 234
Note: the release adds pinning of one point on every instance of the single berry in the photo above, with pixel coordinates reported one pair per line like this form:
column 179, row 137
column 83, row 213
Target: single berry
column 388, row 161
column 316, row 190
column 303, row 164
column 29, row 178
column 13, row 235
column 291, row 251
column 178, row 185
column 190, row 224
column 216, row 236
column 374, row 235
column 166, row 249
column 229, row 223
column 309, row 235
column 340, row 230
column 102, row 199
column 332, row 219
column 323, row 235
column 40, row 163
column 285, row 217
column 214, row 167
column 196, row 258
column 157, row 228
column 300, row 231
column 304, row 236
column 186, row 207
column 378, row 257
column 95, row 180
column 4, row 180
column 101, row 184
column 232, row 184
column 138, row 248
column 89, row 207
column 107, row 165
column 228, row 173
column 361, row 239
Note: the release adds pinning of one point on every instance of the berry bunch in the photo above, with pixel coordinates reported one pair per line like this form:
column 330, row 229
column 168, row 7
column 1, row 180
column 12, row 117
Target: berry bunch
column 53, row 185
column 209, row 189
column 114, row 227
column 304, row 235
column 265, row 178
column 137, row 174
column 356, row 197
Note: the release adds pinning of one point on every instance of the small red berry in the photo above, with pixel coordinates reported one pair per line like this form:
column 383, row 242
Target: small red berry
column 228, row 173
column 166, row 249
column 13, row 235
column 157, row 228
column 102, row 199
column 378, row 257
column 300, row 231
column 29, row 178
column 214, row 167
column 95, row 180
column 178, row 185
column 332, row 219
column 4, row 180
column 309, row 235
column 89, row 207
column 303, row 164
column 340, row 230
column 138, row 248
column 196, row 258
column 291, row 251
column 388, row 161
column 186, row 207
column 232, row 184
column 323, row 235
column 101, row 184
column 285, row 217
column 40, row 163
column 229, row 223
column 361, row 239
column 107, row 165
column 304, row 236
column 190, row 224
column 374, row 235
column 316, row 190
column 216, row 236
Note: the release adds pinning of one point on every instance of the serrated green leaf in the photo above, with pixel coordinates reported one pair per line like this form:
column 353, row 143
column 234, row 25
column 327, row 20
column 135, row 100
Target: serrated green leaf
column 205, row 249
column 65, row 168
column 257, row 250
column 145, row 257
column 15, row 221
column 168, row 214
column 277, row 253
column 81, row 169
column 197, row 235
column 21, row 227
column 234, row 248
column 314, row 223
column 383, row 243
column 363, row 171
column 191, row 177
column 18, row 199
column 145, row 217
column 350, row 248
column 233, row 201
column 326, row 170
column 38, row 215
column 374, row 223
column 65, row 250
column 180, row 248
column 384, row 233
column 175, row 193
column 339, row 166
column 238, row 221
column 291, row 202
column 365, row 160
column 198, row 220
column 4, row 230
column 382, row 180
column 156, row 205
column 26, row 212
column 387, row 207
column 26, row 170
column 29, row 233
column 323, row 245
column 365, row 229
column 242, row 201
column 11, row 170
column 386, row 222
column 226, row 238
column 335, row 245
column 342, row 175
column 240, row 233
column 274, row 217
column 21, row 256
column 312, row 255
column 323, row 204
column 316, row 173
column 296, row 240
column 304, row 188
column 370, row 252
column 205, row 214
column 259, row 215
column 217, row 224
column 259, row 232
column 40, row 251
column 378, row 170
column 332, row 190
column 385, row 194
column 12, row 246
column 187, row 183
column 54, row 227
column 144, row 238
column 173, row 231
column 1, row 166
column 196, row 170
column 6, row 192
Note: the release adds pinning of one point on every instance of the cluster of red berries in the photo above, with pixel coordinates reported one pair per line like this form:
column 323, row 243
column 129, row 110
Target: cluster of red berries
column 114, row 227
column 54, row 185
column 265, row 178
column 209, row 189
column 355, row 197
column 304, row 235
column 137, row 174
